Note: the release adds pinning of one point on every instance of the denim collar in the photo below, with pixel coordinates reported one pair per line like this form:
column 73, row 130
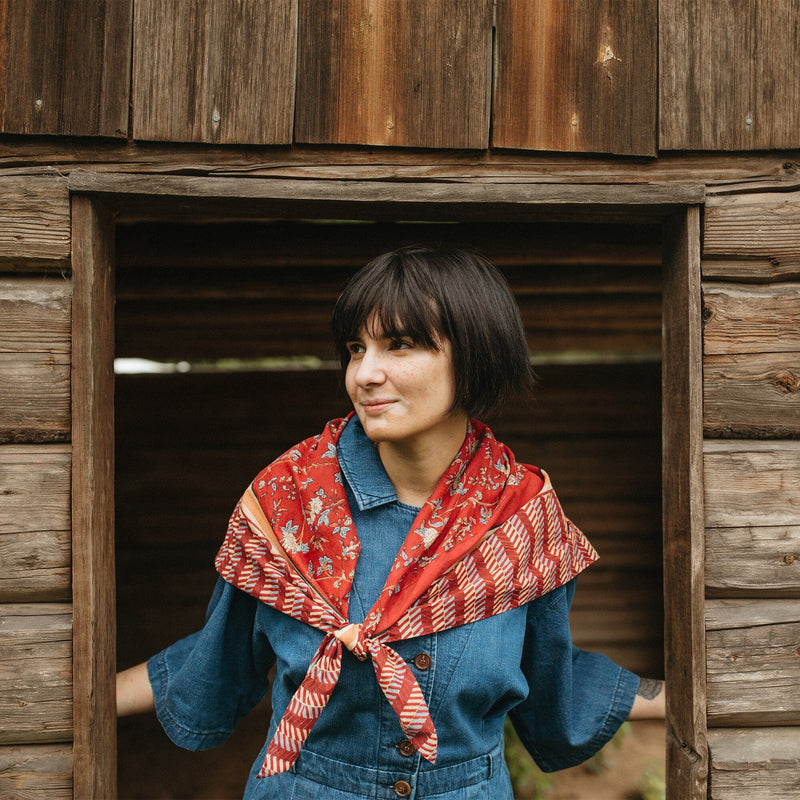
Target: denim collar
column 363, row 469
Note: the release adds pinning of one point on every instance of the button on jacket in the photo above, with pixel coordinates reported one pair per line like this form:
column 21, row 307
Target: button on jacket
column 565, row 703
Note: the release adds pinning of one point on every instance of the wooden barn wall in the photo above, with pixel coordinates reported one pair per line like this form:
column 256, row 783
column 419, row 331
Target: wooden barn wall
column 35, row 527
column 751, row 365
column 632, row 77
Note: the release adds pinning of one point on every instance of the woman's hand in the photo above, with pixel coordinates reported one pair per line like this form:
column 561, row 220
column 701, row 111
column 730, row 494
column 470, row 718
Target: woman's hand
column 134, row 693
column 649, row 702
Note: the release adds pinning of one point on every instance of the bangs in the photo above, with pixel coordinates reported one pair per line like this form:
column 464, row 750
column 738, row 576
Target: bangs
column 389, row 300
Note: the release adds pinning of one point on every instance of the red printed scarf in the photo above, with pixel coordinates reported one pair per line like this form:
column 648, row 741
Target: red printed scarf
column 490, row 538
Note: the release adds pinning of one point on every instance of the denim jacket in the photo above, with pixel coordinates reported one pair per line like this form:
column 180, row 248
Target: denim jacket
column 565, row 703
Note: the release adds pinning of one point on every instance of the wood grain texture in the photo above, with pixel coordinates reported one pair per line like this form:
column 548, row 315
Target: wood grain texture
column 721, row 173
column 752, row 396
column 34, row 485
column 576, row 77
column 753, row 662
column 729, row 74
column 35, row 313
column 682, row 481
column 94, row 650
column 753, row 561
column 220, row 72
column 410, row 73
column 64, row 67
column 750, row 483
column 30, row 772
column 35, row 673
column 752, row 237
column 750, row 319
column 35, row 401
column 34, row 222
column 36, row 566
column 748, row 763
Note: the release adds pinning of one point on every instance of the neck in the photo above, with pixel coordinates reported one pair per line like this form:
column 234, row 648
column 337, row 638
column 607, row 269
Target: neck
column 415, row 467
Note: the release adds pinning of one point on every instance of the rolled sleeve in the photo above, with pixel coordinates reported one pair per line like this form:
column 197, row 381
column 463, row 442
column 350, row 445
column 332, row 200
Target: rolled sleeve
column 206, row 683
column 577, row 699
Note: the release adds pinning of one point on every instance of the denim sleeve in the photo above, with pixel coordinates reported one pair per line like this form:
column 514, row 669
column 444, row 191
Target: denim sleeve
column 577, row 700
column 206, row 683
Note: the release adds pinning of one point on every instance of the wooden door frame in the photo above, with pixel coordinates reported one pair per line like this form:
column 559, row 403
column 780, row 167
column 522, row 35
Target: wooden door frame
column 100, row 200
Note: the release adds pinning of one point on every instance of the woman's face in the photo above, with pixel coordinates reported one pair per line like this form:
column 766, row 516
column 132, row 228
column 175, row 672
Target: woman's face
column 401, row 392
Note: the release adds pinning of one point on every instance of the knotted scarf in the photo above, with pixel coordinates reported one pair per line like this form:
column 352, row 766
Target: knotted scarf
column 491, row 537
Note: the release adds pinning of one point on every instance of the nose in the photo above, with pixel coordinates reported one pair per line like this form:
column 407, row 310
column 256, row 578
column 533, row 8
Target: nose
column 369, row 368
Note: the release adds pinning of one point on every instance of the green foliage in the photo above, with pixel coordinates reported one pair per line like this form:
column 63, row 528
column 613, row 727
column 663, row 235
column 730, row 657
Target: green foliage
column 652, row 784
column 527, row 780
column 603, row 760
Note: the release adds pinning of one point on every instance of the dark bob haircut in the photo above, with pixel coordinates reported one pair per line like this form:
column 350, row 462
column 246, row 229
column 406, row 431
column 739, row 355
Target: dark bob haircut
column 431, row 295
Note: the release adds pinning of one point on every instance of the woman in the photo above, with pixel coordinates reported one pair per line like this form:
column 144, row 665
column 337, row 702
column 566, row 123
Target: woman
column 409, row 578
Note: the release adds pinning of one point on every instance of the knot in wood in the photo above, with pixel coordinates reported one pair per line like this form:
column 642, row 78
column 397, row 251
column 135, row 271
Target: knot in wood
column 787, row 382
column 788, row 558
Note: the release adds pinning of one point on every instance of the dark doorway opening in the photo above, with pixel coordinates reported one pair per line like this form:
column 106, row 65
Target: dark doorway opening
column 236, row 316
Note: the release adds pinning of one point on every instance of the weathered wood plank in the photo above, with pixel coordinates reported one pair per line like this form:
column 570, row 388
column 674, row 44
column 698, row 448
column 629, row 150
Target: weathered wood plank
column 35, row 487
column 35, row 673
column 35, row 772
column 214, row 72
column 750, row 319
column 752, row 396
column 354, row 192
column 757, row 562
column 682, row 479
column 94, row 651
column 725, row 173
column 753, row 662
column 729, row 75
column 409, row 73
column 36, row 566
column 35, row 401
column 34, row 222
column 576, row 77
column 36, row 315
column 755, row 237
column 40, row 93
column 750, row 764
column 751, row 483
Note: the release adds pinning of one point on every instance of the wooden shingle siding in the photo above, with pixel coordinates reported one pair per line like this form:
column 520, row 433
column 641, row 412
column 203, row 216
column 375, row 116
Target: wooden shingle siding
column 35, row 673
column 34, row 223
column 729, row 74
column 752, row 483
column 36, row 771
column 409, row 73
column 34, row 523
column 752, row 237
column 753, row 561
column 578, row 77
column 750, row 319
column 39, row 93
column 34, row 359
column 221, row 72
column 751, row 763
column 753, row 663
column 752, row 395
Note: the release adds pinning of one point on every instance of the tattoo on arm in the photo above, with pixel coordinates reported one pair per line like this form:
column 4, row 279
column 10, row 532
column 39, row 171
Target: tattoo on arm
column 649, row 688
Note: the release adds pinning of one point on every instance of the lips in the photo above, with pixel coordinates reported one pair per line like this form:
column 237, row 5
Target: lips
column 376, row 406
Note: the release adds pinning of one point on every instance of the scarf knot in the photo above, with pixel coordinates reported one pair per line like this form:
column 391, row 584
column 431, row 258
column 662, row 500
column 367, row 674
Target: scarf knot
column 353, row 638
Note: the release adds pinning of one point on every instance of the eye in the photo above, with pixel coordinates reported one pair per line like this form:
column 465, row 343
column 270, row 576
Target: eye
column 401, row 343
column 355, row 348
